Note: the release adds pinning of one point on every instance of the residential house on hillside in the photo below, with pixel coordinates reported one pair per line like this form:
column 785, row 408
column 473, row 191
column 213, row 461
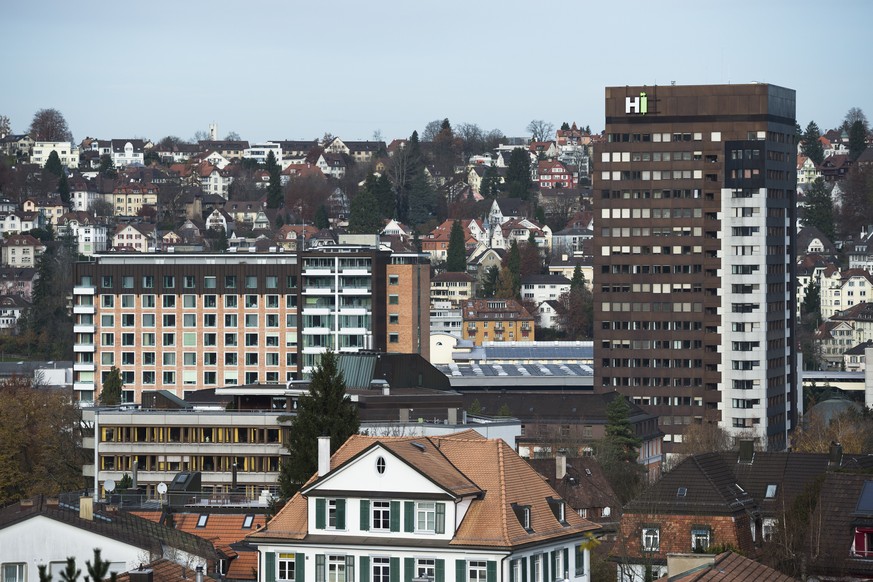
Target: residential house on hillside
column 362, row 152
column 544, row 150
column 436, row 243
column 51, row 208
column 21, row 250
column 229, row 149
column 136, row 237
column 861, row 252
column 811, row 240
column 835, row 167
column 553, row 174
column 18, row 281
column 128, row 152
column 16, row 222
column 261, row 151
column 809, row 270
column 67, row 152
column 333, row 165
column 457, row 508
column 841, row 290
column 18, row 145
column 456, row 288
column 129, row 199
column 11, row 308
column 500, row 320
column 539, row 288
column 90, row 237
column 806, row 170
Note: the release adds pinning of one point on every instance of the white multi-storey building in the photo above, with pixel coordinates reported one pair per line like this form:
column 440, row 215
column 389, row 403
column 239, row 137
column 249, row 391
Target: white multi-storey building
column 67, row 152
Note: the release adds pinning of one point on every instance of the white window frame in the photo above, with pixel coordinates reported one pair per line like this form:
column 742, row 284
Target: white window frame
column 380, row 512
column 285, row 567
column 651, row 539
column 477, row 571
column 426, row 511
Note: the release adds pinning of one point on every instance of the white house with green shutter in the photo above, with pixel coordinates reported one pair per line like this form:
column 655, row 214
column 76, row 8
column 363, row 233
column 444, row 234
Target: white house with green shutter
column 456, row 508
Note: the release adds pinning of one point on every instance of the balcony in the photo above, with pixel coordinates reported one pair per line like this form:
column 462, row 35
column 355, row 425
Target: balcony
column 89, row 367
column 319, row 290
column 83, row 348
column 78, row 290
column 83, row 309
column 84, row 386
column 83, row 328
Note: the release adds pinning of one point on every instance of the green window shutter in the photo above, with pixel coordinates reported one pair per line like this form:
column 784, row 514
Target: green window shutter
column 512, row 564
column 365, row 514
column 491, row 571
column 394, row 516
column 408, row 567
column 409, row 516
column 299, row 567
column 440, row 518
column 533, row 568
column 524, row 570
column 566, row 562
column 341, row 514
column 554, row 567
column 440, row 570
column 545, row 560
column 394, row 570
column 270, row 566
column 350, row 569
column 364, row 576
column 319, row 513
column 460, row 570
column 319, row 568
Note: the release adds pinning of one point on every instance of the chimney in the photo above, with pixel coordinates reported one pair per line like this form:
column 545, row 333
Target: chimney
column 141, row 575
column 386, row 389
column 323, row 455
column 199, row 576
column 86, row 508
column 747, row 451
column 561, row 464
column 836, row 456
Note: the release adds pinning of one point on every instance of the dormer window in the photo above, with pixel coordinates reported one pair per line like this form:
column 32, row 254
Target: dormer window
column 558, row 507
column 523, row 514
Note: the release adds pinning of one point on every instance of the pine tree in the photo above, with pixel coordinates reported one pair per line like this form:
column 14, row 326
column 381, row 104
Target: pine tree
column 456, row 259
column 619, row 430
column 819, row 210
column 53, row 165
column 64, row 189
column 71, row 573
column 325, row 410
column 857, row 139
column 110, row 395
column 364, row 213
column 98, row 570
column 385, row 197
column 577, row 283
column 810, row 144
column 322, row 220
column 518, row 179
column 275, row 197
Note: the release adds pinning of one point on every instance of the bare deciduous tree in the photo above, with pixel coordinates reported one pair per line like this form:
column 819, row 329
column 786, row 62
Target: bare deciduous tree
column 50, row 125
column 540, row 130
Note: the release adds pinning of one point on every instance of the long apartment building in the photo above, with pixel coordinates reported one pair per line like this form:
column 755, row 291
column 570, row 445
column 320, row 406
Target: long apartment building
column 694, row 306
column 183, row 322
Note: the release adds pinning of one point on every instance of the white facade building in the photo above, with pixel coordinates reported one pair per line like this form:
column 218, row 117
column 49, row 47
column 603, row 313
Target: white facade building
column 456, row 508
column 67, row 152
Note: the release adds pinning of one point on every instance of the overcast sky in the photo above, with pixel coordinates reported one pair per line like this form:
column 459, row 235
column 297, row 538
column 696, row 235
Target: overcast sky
column 295, row 70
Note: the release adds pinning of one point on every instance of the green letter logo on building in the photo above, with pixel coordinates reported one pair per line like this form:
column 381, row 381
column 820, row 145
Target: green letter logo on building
column 637, row 104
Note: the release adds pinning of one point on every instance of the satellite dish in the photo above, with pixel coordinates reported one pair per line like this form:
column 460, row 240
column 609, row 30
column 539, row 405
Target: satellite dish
column 109, row 485
column 162, row 488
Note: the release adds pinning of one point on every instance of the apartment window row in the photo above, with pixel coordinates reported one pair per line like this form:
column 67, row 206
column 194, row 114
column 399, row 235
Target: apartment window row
column 190, row 301
column 188, row 434
column 383, row 516
column 656, row 175
column 662, row 137
column 192, row 339
column 206, row 282
column 659, row 156
column 607, row 251
column 658, row 194
column 647, row 325
column 652, row 344
column 650, row 363
column 245, row 464
column 655, row 307
column 650, row 381
column 658, row 288
column 668, row 401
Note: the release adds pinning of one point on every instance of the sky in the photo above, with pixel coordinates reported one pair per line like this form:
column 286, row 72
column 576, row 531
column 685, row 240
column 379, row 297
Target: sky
column 297, row 70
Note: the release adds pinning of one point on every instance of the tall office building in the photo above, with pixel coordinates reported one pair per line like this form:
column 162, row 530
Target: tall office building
column 184, row 322
column 694, row 301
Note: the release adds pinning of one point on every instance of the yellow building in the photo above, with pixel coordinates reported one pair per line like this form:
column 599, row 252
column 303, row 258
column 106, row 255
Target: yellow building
column 500, row 320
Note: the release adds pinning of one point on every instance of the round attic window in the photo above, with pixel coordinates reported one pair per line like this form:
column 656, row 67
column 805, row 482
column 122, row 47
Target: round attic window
column 380, row 465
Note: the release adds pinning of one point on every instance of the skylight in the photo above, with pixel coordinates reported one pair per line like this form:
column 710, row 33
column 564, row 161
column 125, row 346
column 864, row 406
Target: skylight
column 771, row 491
column 682, row 492
column 865, row 500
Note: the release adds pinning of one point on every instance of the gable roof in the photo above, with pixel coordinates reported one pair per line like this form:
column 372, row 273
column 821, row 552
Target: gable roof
column 164, row 570
column 488, row 470
column 730, row 567
column 837, row 515
column 120, row 526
